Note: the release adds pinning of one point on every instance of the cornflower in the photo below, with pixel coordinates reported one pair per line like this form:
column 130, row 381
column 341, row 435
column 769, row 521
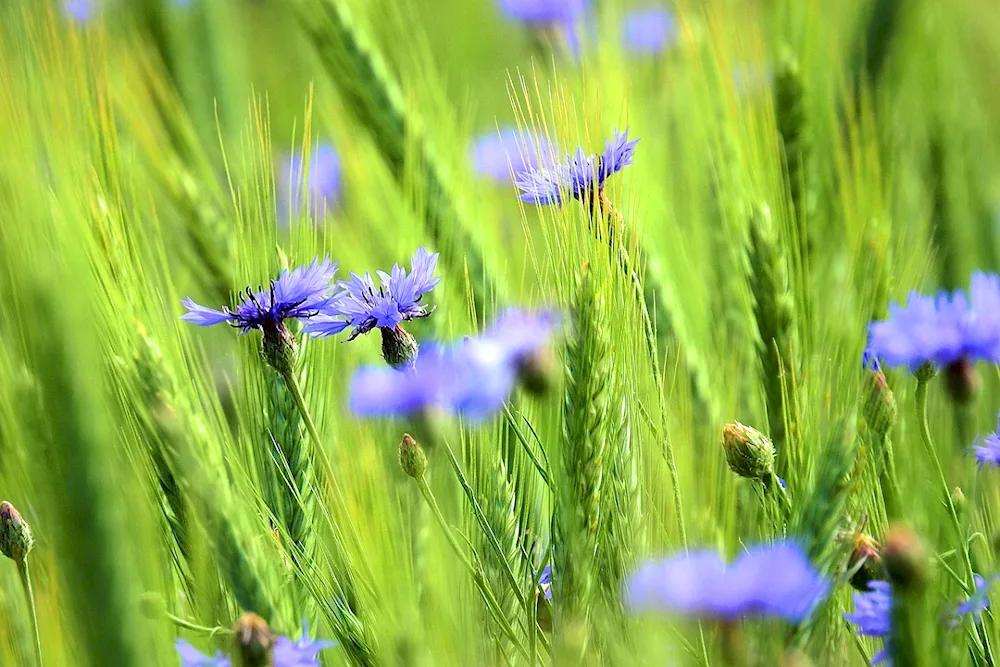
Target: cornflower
column 649, row 30
column 767, row 580
column 299, row 294
column 361, row 306
column 497, row 155
column 320, row 179
column 473, row 377
column 303, row 652
column 582, row 175
column 873, row 615
column 987, row 452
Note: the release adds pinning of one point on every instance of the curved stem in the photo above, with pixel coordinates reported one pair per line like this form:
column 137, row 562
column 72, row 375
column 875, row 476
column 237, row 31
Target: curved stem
column 925, row 436
column 477, row 575
column 22, row 570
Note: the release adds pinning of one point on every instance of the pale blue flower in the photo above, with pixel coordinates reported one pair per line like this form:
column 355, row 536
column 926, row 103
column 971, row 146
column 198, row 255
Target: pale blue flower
column 300, row 294
column 767, row 580
column 873, row 615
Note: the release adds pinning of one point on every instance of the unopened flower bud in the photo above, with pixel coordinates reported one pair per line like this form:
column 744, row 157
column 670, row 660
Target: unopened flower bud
column 412, row 459
column 279, row 349
column 962, row 380
column 15, row 534
column 925, row 372
column 399, row 348
column 749, row 452
column 905, row 558
column 880, row 405
column 152, row 606
column 866, row 563
column 253, row 641
column 958, row 500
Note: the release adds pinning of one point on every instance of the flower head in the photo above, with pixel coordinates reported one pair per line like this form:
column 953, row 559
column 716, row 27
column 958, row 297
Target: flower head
column 545, row 581
column 543, row 12
column 303, row 652
column 987, row 452
column 297, row 294
column 580, row 174
column 320, row 179
column 944, row 329
column 978, row 601
column 472, row 377
column 873, row 614
column 498, row 155
column 16, row 539
column 80, row 11
column 360, row 305
column 768, row 580
column 649, row 30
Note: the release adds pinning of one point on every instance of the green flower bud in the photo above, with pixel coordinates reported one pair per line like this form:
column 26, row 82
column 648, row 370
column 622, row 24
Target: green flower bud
column 905, row 558
column 15, row 534
column 279, row 349
column 253, row 642
column 412, row 459
column 399, row 348
column 749, row 452
column 153, row 606
column 958, row 500
column 880, row 406
column 926, row 371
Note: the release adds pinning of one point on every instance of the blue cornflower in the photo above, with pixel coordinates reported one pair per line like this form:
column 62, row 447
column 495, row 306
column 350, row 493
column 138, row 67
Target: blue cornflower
column 649, row 30
column 944, row 329
column 979, row 601
column 472, row 378
column 301, row 293
column 303, row 652
column 320, row 179
column 987, row 452
column 80, row 11
column 543, row 12
column 359, row 304
column 545, row 581
column 767, row 580
column 873, row 615
column 581, row 175
column 498, row 155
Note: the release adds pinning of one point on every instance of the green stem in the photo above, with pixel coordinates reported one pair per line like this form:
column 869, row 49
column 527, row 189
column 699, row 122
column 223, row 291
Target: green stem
column 491, row 600
column 887, row 478
column 925, row 436
column 300, row 402
column 22, row 570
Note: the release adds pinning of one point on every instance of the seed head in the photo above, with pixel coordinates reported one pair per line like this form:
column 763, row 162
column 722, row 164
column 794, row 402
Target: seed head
column 749, row 452
column 15, row 534
column 253, row 642
column 412, row 459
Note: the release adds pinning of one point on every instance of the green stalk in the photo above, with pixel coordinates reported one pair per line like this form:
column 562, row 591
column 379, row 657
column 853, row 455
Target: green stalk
column 295, row 389
column 925, row 436
column 477, row 574
column 29, row 596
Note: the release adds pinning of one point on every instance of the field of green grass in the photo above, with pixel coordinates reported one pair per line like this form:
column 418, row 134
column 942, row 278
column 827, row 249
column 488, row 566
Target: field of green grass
column 631, row 423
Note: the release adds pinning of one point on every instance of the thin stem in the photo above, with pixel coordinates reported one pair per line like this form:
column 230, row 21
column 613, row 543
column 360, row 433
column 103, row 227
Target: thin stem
column 300, row 402
column 491, row 601
column 887, row 478
column 22, row 570
column 194, row 627
column 925, row 436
